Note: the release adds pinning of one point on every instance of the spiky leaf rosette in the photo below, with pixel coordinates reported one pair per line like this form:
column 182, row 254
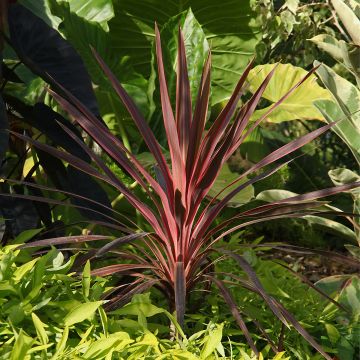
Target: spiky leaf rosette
column 175, row 255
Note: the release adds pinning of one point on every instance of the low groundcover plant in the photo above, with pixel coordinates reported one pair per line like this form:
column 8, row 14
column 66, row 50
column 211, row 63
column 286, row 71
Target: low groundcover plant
column 175, row 255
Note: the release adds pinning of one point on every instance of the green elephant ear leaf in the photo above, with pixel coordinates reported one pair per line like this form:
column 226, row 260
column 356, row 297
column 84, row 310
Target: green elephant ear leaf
column 225, row 177
column 99, row 11
column 299, row 105
column 230, row 27
column 196, row 48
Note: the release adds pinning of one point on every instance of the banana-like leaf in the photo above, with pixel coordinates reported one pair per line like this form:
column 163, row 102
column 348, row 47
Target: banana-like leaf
column 348, row 289
column 346, row 109
column 299, row 105
column 229, row 26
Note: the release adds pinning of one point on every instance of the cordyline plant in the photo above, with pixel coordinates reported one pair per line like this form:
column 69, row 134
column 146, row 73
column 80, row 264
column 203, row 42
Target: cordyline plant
column 175, row 256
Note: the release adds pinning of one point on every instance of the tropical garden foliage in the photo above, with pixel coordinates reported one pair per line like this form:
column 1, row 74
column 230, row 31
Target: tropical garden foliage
column 179, row 180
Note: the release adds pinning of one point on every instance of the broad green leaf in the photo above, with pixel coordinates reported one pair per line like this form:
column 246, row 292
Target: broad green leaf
column 332, row 284
column 332, row 332
column 254, row 148
column 81, row 312
column 224, row 178
column 82, row 34
column 27, row 235
column 332, row 225
column 213, row 339
column 350, row 295
column 345, row 109
column 99, row 348
column 149, row 339
column 346, row 54
column 349, row 20
column 345, row 93
column 41, row 9
column 196, row 48
column 22, row 345
column 345, row 128
column 353, row 250
column 299, row 105
column 280, row 356
column 99, row 11
column 136, row 308
column 329, row 225
column 274, row 195
column 230, row 28
column 23, row 270
column 329, row 44
column 343, row 176
column 40, row 329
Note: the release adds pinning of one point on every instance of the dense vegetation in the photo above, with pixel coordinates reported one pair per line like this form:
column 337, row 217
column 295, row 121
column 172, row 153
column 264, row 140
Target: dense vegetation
column 180, row 180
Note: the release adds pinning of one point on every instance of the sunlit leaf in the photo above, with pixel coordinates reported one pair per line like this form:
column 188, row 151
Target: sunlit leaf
column 299, row 105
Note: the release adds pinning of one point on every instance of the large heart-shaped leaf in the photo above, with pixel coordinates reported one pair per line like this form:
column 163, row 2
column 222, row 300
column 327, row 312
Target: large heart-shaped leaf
column 225, row 177
column 230, row 28
column 299, row 105
column 99, row 11
column 196, row 48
